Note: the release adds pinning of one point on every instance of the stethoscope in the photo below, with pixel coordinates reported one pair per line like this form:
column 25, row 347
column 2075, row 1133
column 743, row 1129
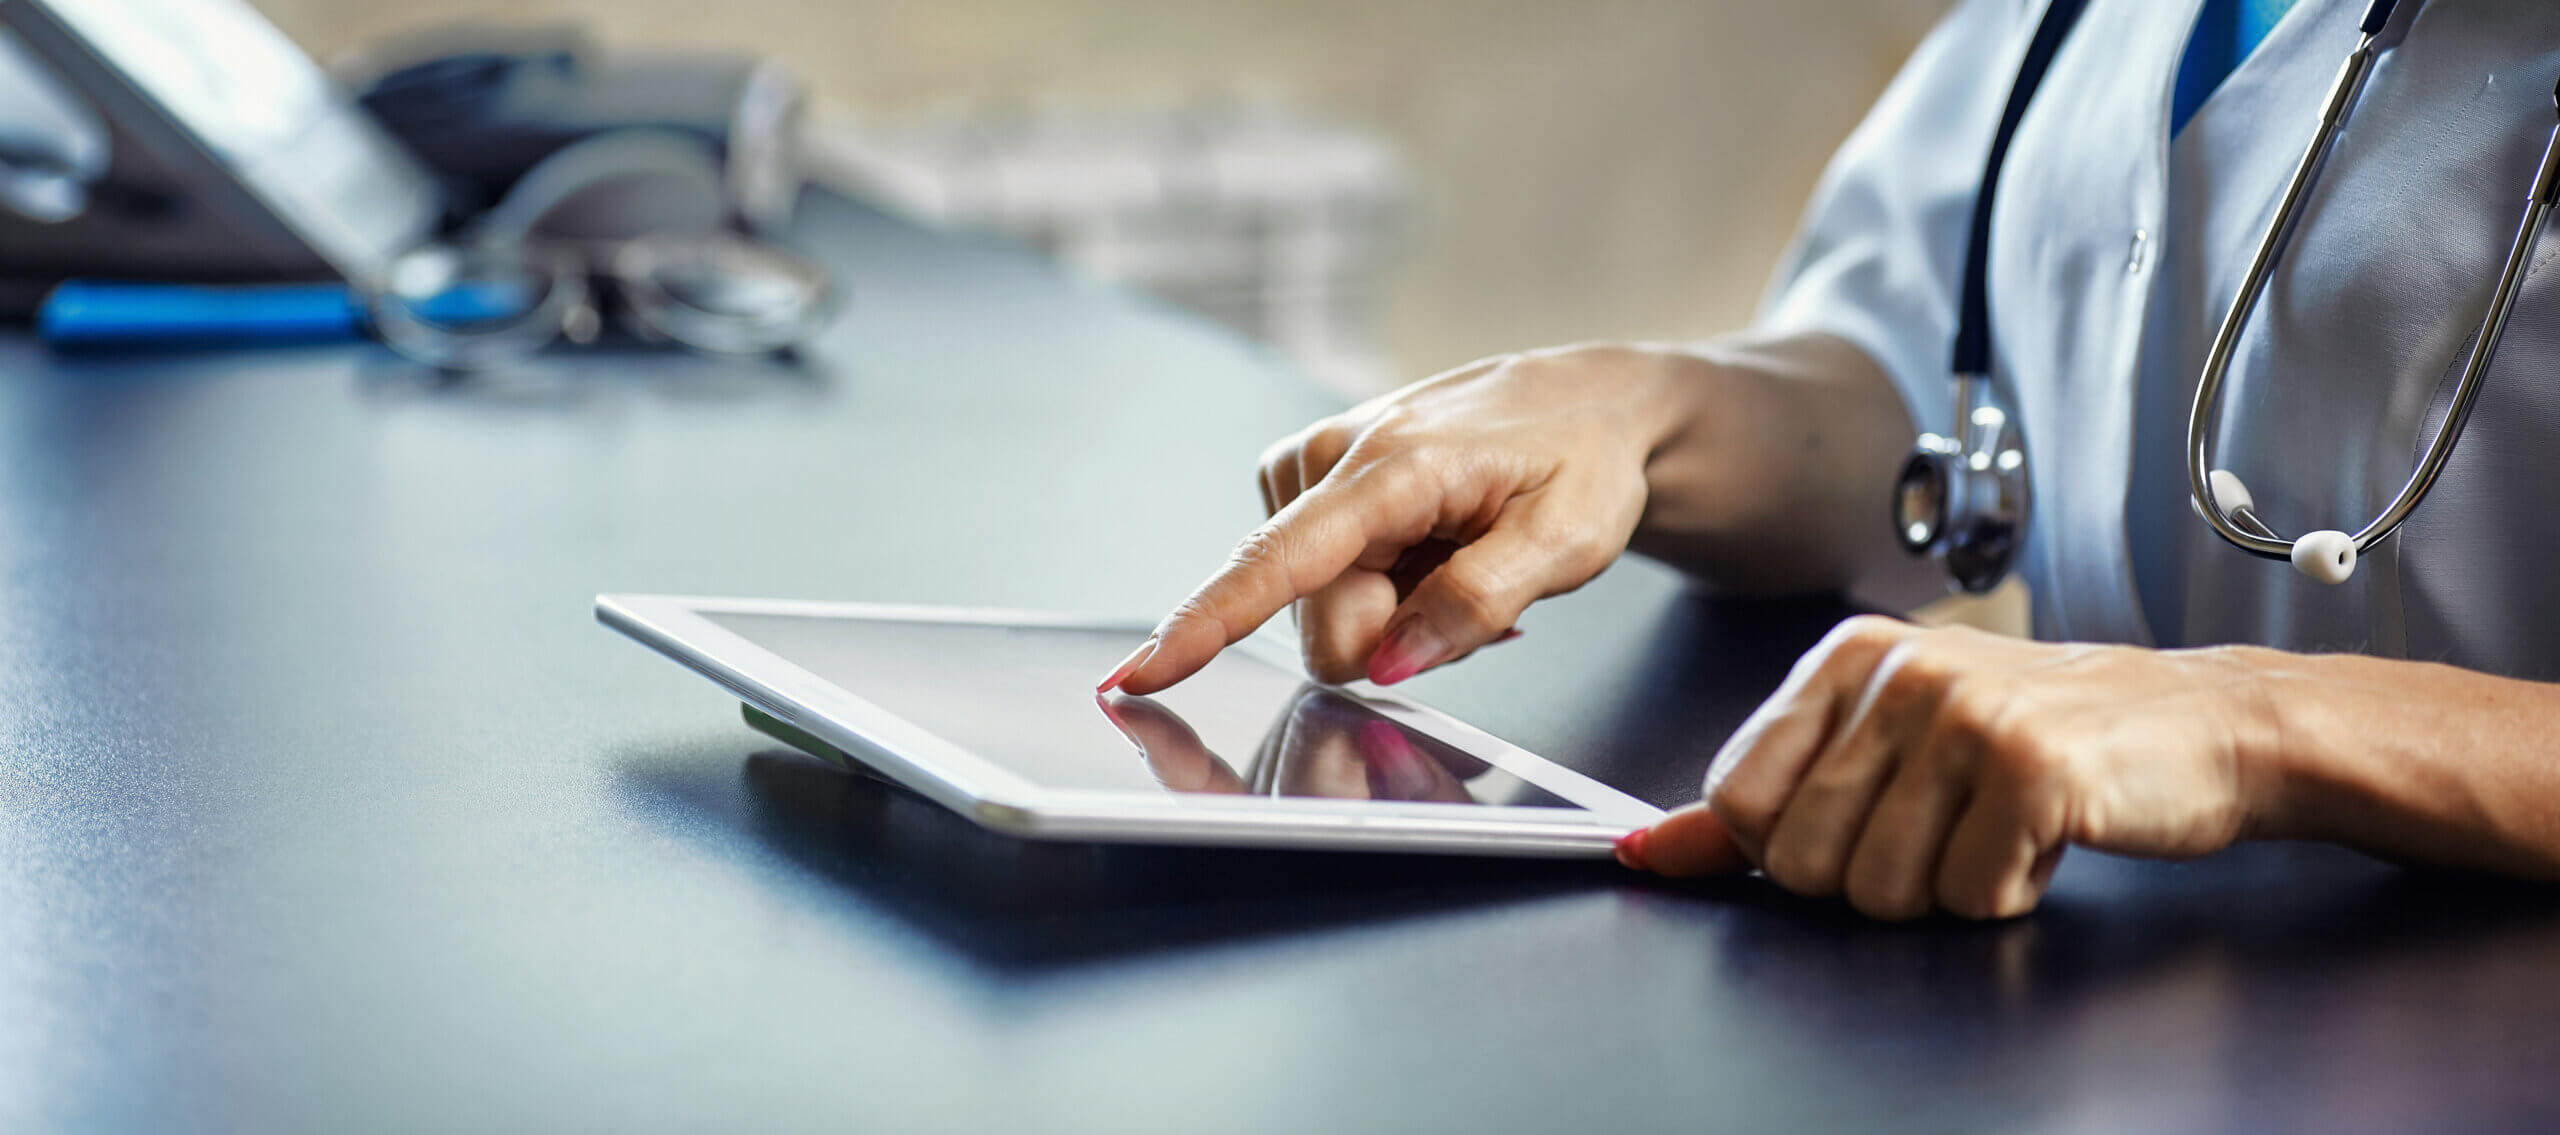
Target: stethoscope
column 1964, row 499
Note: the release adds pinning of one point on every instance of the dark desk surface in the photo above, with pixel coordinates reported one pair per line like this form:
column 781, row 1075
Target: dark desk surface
column 325, row 805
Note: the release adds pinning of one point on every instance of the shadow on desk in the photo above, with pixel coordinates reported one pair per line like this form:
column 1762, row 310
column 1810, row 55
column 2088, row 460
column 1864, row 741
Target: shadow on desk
column 2280, row 916
column 1030, row 905
column 2270, row 981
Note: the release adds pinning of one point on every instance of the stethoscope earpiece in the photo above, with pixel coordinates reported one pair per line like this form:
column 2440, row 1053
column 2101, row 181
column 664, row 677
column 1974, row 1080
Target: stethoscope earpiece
column 2330, row 556
column 2327, row 555
column 2229, row 491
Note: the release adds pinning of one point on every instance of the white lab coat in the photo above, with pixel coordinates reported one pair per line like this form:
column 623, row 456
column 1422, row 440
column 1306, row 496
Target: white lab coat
column 2114, row 254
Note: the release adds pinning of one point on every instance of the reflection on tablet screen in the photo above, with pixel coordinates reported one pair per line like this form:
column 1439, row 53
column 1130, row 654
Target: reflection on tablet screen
column 1323, row 744
column 1023, row 697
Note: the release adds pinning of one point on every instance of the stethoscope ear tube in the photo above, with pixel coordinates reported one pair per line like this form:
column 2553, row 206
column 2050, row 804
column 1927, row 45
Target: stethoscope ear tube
column 1963, row 498
column 2378, row 16
column 2546, row 182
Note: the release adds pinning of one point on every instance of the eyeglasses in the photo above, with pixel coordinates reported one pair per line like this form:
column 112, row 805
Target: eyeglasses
column 483, row 305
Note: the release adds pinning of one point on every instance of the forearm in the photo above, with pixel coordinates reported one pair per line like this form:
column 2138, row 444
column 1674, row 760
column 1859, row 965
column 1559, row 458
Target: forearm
column 1775, row 481
column 2414, row 761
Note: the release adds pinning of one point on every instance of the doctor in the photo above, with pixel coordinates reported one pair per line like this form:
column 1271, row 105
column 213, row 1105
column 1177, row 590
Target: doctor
column 2183, row 695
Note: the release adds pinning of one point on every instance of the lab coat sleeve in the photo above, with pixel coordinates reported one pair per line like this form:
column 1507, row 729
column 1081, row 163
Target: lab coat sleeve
column 1879, row 254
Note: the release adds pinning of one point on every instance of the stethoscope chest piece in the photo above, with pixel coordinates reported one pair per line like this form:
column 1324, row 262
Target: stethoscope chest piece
column 1963, row 500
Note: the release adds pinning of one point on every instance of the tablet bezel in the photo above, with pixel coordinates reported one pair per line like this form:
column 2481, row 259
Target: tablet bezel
column 997, row 797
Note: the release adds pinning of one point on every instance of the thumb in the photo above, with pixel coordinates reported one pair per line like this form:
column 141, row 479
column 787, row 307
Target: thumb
column 1689, row 842
column 1479, row 593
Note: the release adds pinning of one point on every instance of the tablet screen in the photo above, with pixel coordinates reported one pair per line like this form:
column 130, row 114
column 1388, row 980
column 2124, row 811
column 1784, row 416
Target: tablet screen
column 1023, row 697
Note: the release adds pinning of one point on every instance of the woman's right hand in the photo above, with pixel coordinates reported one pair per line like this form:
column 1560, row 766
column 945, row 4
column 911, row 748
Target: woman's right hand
column 1414, row 528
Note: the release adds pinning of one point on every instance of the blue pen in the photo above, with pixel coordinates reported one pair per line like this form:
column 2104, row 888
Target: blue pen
column 116, row 313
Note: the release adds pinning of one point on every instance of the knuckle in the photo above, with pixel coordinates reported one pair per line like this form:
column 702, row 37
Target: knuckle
column 1974, row 711
column 1747, row 811
column 2020, row 754
column 1325, row 441
column 1394, row 429
column 1857, row 644
column 1579, row 549
column 1496, row 366
column 1264, row 546
column 1247, row 574
column 1476, row 595
column 1803, row 867
column 1878, row 632
column 1197, row 611
column 1832, row 780
column 1397, row 474
column 1279, row 452
column 1915, row 676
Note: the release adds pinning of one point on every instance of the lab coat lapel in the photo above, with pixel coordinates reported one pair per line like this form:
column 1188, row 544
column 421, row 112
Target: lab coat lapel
column 2079, row 212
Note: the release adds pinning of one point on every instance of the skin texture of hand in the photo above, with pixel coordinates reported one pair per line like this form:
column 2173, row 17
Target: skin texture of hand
column 1912, row 770
column 1415, row 528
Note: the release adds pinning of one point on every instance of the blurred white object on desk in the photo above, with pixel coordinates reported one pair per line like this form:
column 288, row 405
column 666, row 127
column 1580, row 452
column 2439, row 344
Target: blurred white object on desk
column 1273, row 223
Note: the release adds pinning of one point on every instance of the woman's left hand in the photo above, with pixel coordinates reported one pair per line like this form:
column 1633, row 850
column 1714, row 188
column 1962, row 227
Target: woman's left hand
column 1915, row 770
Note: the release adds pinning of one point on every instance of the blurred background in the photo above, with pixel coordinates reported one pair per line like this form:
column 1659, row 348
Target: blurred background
column 1379, row 188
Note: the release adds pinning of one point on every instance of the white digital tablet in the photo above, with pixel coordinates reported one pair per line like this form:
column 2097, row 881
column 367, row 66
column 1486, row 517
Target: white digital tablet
column 993, row 715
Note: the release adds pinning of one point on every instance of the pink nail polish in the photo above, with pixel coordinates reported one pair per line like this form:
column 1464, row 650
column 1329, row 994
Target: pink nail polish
column 1409, row 650
column 1129, row 665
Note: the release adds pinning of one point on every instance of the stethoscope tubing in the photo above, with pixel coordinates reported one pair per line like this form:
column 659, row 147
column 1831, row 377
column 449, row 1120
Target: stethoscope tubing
column 1969, row 493
column 2240, row 526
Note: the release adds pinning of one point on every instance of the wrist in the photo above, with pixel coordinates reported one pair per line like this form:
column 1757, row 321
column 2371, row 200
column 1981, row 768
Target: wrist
column 1772, row 474
column 2275, row 720
column 1704, row 417
column 2329, row 723
column 1659, row 391
column 2408, row 760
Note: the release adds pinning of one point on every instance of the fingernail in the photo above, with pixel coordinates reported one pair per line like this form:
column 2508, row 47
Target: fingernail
column 1631, row 850
column 1412, row 649
column 1130, row 664
column 1504, row 637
